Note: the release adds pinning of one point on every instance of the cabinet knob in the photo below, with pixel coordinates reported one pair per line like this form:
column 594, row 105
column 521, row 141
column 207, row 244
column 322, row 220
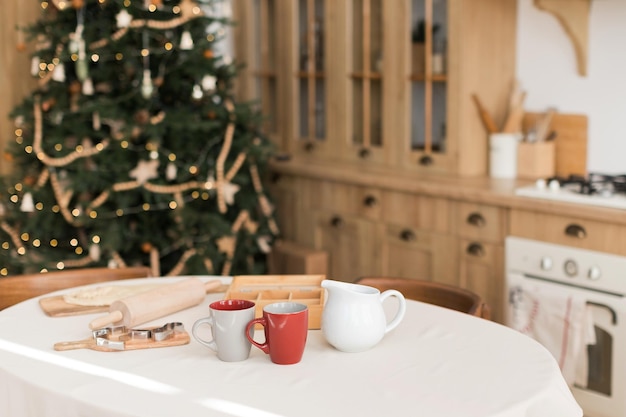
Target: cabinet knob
column 370, row 201
column 407, row 235
column 476, row 219
column 476, row 249
column 576, row 230
column 426, row 160
column 274, row 177
column 364, row 153
column 309, row 146
column 336, row 221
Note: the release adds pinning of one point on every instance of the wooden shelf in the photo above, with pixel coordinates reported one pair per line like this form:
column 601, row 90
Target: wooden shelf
column 573, row 15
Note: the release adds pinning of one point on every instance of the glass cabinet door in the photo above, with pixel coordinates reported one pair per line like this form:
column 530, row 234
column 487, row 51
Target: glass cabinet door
column 310, row 73
column 257, row 47
column 429, row 37
column 367, row 77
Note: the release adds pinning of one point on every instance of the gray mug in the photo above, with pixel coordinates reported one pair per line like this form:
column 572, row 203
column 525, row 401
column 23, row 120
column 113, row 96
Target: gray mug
column 228, row 322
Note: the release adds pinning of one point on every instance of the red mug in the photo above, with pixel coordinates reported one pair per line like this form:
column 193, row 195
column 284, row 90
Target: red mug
column 285, row 326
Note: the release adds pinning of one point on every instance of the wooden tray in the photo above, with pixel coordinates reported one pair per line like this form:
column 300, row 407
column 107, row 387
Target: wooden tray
column 267, row 289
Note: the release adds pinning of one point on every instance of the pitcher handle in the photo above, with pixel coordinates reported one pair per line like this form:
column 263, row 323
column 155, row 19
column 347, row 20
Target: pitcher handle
column 401, row 308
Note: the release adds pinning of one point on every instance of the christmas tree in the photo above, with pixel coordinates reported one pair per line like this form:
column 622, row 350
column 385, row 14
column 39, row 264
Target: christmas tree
column 132, row 150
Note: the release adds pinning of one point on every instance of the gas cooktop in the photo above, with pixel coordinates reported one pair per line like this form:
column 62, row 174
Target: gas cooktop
column 594, row 189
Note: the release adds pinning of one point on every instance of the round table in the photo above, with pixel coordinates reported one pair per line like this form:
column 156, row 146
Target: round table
column 437, row 363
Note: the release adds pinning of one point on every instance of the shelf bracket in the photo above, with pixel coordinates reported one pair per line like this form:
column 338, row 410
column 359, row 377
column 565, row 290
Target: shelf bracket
column 573, row 15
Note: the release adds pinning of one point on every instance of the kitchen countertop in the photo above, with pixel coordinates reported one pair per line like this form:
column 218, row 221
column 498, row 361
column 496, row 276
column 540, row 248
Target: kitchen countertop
column 482, row 190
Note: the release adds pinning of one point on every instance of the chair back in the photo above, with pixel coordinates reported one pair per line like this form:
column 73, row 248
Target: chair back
column 443, row 295
column 17, row 288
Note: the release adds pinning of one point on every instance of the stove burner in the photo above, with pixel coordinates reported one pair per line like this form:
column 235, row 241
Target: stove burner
column 593, row 184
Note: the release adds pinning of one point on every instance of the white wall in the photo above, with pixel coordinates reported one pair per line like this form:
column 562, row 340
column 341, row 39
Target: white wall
column 546, row 68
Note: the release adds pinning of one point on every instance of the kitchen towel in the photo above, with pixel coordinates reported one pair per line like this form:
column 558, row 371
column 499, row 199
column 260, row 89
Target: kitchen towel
column 562, row 323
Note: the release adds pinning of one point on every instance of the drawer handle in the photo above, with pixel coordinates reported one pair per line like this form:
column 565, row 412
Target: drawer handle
column 275, row 177
column 370, row 201
column 426, row 160
column 364, row 153
column 309, row 146
column 407, row 235
column 576, row 230
column 336, row 221
column 476, row 219
column 476, row 249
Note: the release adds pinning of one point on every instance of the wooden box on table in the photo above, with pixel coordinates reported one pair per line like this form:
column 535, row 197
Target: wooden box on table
column 267, row 289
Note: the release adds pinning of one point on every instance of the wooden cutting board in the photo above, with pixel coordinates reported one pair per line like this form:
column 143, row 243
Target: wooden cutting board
column 571, row 141
column 55, row 306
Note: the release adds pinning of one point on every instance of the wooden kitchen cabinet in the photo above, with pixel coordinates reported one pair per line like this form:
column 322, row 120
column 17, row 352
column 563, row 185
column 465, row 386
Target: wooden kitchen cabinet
column 570, row 231
column 340, row 83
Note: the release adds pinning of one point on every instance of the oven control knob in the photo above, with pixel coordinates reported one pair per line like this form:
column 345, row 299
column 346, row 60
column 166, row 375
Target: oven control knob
column 546, row 263
column 594, row 273
column 554, row 185
column 570, row 268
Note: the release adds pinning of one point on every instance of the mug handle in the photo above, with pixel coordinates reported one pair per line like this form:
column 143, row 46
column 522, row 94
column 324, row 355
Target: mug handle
column 401, row 308
column 265, row 347
column 208, row 343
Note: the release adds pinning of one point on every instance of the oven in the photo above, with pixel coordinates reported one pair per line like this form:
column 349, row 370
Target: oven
column 600, row 280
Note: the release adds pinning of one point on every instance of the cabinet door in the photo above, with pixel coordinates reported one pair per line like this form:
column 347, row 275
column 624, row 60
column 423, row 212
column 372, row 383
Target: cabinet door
column 414, row 253
column 258, row 45
column 351, row 244
column 481, row 270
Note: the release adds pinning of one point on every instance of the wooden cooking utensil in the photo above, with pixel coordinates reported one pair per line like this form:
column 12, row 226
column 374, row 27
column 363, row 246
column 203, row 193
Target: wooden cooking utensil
column 156, row 303
column 488, row 121
column 513, row 122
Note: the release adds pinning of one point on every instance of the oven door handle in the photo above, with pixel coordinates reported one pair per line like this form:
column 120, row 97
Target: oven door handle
column 613, row 313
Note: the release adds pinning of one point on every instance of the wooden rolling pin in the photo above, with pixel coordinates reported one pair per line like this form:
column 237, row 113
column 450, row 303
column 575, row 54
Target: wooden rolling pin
column 156, row 303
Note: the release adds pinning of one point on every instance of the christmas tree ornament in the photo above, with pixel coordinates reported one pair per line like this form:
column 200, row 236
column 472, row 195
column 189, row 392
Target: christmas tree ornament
column 88, row 87
column 56, row 118
column 186, row 41
column 94, row 252
column 171, row 171
column 58, row 73
column 197, row 92
column 27, row 205
column 145, row 170
column 78, row 4
column 209, row 82
column 264, row 243
column 123, row 19
column 34, row 66
column 146, row 85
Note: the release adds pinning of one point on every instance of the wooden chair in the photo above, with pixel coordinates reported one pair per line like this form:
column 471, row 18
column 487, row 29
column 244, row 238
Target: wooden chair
column 17, row 288
column 448, row 296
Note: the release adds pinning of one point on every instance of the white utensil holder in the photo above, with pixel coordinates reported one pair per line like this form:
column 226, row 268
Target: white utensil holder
column 503, row 154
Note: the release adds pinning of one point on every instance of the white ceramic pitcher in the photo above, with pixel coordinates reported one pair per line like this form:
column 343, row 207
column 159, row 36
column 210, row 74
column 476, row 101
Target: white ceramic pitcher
column 353, row 319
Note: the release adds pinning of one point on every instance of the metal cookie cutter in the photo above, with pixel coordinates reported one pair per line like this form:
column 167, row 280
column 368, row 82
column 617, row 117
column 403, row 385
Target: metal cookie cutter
column 116, row 337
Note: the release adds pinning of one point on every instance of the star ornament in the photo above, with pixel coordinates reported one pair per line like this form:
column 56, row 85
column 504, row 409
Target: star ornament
column 145, row 170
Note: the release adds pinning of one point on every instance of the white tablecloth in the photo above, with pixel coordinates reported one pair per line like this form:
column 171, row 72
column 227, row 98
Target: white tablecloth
column 437, row 363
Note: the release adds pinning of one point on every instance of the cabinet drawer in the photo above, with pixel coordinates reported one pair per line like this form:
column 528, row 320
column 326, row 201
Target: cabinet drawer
column 569, row 231
column 418, row 211
column 480, row 222
column 348, row 199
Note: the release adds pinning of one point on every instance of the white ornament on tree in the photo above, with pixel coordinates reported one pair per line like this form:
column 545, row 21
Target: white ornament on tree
column 123, row 19
column 146, row 85
column 209, row 82
column 171, row 171
column 58, row 73
column 145, row 170
column 28, row 205
column 88, row 87
column 34, row 66
column 186, row 42
column 94, row 252
column 197, row 92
